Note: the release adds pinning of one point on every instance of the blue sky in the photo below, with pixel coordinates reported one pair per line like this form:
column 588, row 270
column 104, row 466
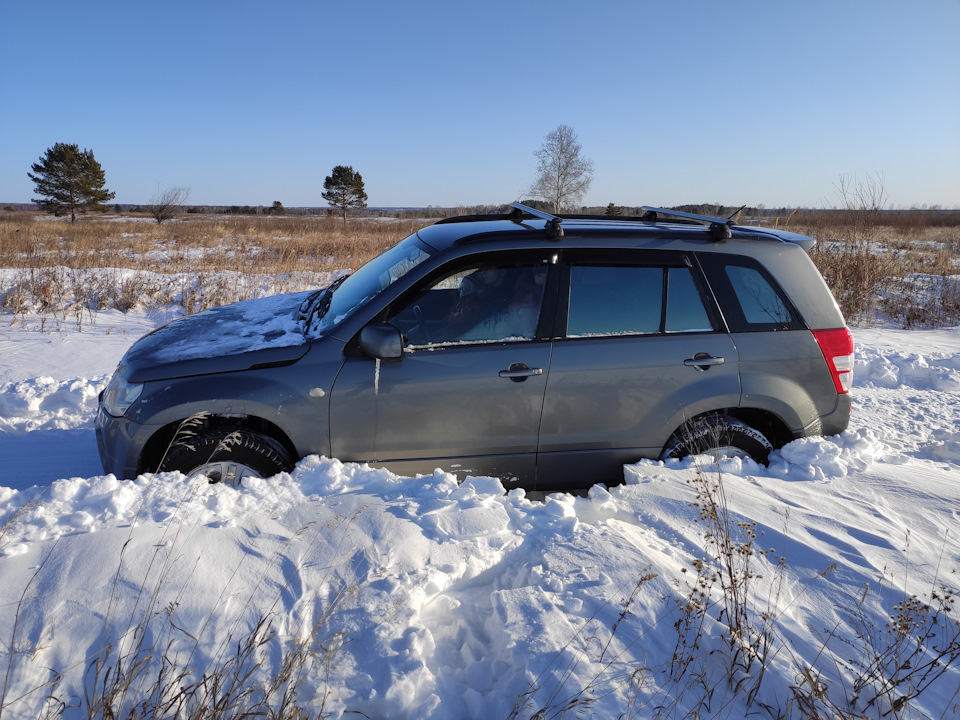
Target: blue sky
column 443, row 103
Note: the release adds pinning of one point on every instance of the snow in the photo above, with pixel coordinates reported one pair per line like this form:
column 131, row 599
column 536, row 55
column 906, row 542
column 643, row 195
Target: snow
column 246, row 326
column 429, row 599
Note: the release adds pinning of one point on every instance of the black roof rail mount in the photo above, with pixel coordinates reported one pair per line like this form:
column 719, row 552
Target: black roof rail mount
column 719, row 227
column 552, row 229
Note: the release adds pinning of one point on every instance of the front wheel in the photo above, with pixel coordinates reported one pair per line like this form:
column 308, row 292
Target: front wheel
column 719, row 436
column 227, row 456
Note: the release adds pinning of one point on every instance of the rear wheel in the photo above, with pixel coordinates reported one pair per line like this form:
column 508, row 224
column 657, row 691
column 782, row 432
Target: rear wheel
column 227, row 456
column 719, row 436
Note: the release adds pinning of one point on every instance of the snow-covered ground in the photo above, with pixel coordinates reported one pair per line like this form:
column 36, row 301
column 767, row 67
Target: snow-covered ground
column 419, row 598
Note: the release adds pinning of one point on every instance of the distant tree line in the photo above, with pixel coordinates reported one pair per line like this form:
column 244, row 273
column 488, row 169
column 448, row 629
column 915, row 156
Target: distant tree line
column 69, row 181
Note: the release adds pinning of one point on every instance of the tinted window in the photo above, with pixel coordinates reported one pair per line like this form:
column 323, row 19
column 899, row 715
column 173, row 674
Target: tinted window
column 760, row 303
column 628, row 300
column 475, row 305
column 685, row 310
column 614, row 300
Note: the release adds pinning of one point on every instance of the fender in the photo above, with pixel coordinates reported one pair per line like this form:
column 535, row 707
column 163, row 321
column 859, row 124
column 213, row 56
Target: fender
column 294, row 397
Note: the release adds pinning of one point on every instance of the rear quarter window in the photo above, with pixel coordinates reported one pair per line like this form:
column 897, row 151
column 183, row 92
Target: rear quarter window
column 750, row 298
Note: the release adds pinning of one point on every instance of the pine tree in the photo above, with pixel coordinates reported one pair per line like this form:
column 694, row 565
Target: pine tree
column 69, row 179
column 344, row 189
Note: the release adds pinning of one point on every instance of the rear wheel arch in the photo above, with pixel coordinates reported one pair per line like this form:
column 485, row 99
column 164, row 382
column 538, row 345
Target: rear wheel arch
column 772, row 426
column 705, row 432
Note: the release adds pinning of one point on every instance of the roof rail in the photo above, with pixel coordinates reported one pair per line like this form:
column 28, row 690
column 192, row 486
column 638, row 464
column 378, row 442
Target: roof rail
column 719, row 227
column 552, row 228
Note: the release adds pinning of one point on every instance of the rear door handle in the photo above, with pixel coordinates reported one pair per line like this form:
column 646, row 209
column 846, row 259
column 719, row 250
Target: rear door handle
column 519, row 372
column 701, row 361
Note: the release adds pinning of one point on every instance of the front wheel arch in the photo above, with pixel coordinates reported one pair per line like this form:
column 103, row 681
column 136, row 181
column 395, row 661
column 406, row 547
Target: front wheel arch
column 226, row 455
column 160, row 442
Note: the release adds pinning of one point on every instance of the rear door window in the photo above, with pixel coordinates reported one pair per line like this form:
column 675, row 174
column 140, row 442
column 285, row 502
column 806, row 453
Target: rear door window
column 614, row 301
column 634, row 300
column 685, row 309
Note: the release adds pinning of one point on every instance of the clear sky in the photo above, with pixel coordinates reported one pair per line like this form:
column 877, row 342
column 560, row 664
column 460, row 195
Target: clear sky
column 443, row 103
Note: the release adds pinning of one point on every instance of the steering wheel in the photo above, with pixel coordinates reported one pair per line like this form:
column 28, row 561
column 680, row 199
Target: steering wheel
column 421, row 325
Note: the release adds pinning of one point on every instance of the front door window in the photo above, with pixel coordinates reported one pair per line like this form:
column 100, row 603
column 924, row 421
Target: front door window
column 480, row 304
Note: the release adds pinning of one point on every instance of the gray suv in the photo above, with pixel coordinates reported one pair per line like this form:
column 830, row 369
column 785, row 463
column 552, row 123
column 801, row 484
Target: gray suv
column 544, row 350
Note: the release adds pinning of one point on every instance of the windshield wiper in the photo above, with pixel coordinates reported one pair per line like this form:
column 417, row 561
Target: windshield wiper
column 303, row 312
column 322, row 302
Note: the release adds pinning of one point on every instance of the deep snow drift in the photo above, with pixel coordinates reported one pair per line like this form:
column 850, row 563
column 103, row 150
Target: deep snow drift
column 421, row 598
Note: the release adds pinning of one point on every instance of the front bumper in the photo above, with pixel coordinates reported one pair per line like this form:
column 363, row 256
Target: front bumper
column 120, row 442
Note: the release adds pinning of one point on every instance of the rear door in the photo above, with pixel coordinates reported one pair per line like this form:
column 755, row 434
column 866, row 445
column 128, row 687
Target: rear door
column 639, row 348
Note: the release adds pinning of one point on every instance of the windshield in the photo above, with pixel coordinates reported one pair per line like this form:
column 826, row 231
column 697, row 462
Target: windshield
column 367, row 282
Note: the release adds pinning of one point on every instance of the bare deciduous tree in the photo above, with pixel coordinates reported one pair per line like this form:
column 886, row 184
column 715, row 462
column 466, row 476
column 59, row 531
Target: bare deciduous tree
column 866, row 197
column 563, row 174
column 168, row 203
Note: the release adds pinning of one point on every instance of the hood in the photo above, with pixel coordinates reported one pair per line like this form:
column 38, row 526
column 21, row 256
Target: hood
column 266, row 331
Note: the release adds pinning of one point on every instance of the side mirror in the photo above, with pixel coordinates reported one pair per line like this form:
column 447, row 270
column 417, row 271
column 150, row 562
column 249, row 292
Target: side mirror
column 382, row 342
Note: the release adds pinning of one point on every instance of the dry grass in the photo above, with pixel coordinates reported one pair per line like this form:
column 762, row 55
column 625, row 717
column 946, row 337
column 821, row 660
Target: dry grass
column 879, row 266
column 880, row 272
column 203, row 243
column 733, row 646
column 70, row 271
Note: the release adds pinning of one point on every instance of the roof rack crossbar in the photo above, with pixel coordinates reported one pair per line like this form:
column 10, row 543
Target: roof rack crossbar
column 552, row 228
column 689, row 216
column 719, row 227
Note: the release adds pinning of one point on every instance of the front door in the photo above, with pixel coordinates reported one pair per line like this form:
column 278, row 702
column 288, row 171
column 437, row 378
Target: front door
column 468, row 393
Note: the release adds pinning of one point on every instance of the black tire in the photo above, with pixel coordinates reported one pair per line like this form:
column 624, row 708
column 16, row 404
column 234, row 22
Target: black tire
column 228, row 456
column 710, row 433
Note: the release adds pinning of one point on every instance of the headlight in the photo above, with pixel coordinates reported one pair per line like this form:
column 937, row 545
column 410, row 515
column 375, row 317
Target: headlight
column 120, row 394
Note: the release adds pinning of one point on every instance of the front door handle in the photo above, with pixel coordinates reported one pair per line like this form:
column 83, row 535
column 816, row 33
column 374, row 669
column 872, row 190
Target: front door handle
column 519, row 372
column 701, row 361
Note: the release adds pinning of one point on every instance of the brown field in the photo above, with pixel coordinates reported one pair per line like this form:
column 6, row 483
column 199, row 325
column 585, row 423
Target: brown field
column 897, row 268
column 50, row 266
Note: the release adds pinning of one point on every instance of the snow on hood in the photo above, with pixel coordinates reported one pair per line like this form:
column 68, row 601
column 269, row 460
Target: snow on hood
column 242, row 330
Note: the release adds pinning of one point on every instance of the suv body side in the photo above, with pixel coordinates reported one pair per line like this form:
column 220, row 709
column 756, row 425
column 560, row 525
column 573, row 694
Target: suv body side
column 561, row 407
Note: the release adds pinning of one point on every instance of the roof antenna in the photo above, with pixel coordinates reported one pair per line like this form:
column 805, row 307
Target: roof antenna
column 736, row 213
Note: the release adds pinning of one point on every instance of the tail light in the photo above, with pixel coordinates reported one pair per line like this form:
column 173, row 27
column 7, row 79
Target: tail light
column 837, row 348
